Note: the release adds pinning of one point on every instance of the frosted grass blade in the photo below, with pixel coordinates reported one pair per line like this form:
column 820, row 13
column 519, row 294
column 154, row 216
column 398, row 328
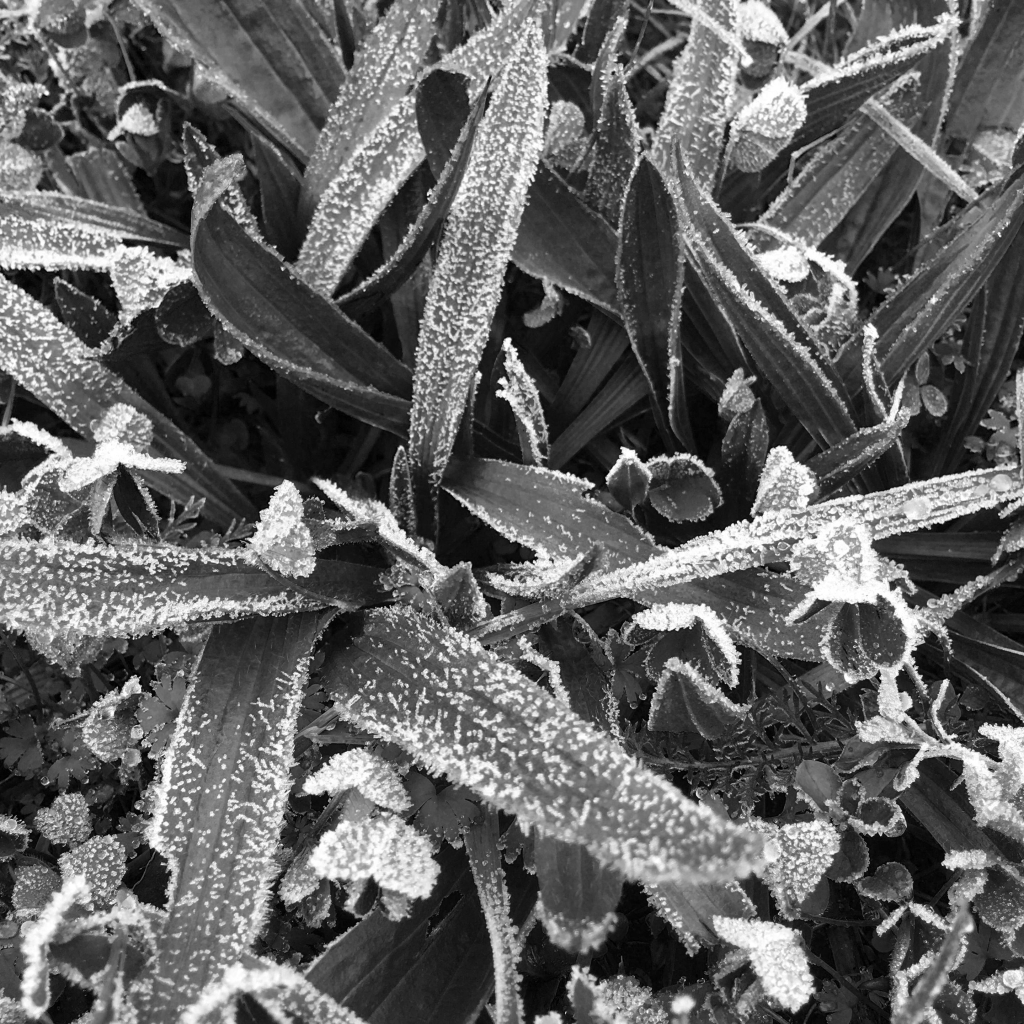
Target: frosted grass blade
column 457, row 708
column 692, row 127
column 470, row 269
column 384, row 71
column 356, row 197
column 220, row 802
column 276, row 62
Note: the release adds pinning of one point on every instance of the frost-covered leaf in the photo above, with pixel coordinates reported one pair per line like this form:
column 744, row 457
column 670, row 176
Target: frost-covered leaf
column 686, row 701
column 66, row 821
column 96, row 591
column 278, row 65
column 620, row 999
column 578, row 895
column 384, row 848
column 378, row 780
column 518, row 389
column 467, row 279
column 282, row 320
column 785, row 484
column 690, row 907
column 649, row 278
column 543, row 509
column 770, row 330
column 447, row 812
column 629, row 479
column 766, row 125
column 777, row 956
column 457, row 709
column 385, row 68
column 141, row 279
column 282, row 538
column 805, row 852
column 615, row 148
column 101, row 861
column 682, row 488
column 220, row 800
column 48, row 231
column 692, row 126
column 506, row 945
column 35, row 344
column 359, row 194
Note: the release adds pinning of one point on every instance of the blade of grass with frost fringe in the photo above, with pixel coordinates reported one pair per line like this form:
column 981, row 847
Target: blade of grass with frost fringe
column 282, row 991
column 519, row 390
column 986, row 90
column 690, row 907
column 485, row 860
column 283, row 321
column 276, row 62
column 770, row 538
column 700, row 93
column 840, row 172
column 835, row 94
column 771, row 332
column 470, row 269
column 386, row 66
column 356, row 197
column 219, row 804
column 929, row 303
column 55, row 589
column 458, row 709
column 46, row 358
column 57, row 236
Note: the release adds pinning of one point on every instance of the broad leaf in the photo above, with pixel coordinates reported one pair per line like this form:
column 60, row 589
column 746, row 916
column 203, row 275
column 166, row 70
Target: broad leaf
column 690, row 907
column 278, row 65
column 477, row 245
column 458, row 709
column 220, row 802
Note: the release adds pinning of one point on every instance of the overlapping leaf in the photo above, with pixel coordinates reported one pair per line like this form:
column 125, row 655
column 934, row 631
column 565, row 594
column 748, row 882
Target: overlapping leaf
column 458, row 709
column 45, row 357
column 467, row 279
column 220, row 803
column 278, row 64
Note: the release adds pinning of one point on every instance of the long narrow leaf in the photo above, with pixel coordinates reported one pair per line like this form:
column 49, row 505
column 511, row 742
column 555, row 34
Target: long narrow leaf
column 471, row 265
column 458, row 709
column 220, row 802
column 277, row 63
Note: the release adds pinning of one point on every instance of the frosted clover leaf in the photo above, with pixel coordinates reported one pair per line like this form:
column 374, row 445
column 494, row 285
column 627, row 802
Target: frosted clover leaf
column 383, row 848
column 141, row 278
column 777, row 956
column 101, row 861
column 66, row 821
column 766, row 125
column 806, row 849
column 376, row 779
column 617, row 1000
column 282, row 540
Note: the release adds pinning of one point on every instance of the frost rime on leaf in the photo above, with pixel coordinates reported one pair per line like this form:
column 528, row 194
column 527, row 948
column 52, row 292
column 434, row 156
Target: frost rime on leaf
column 458, row 709
column 476, row 248
column 519, row 390
column 777, row 956
column 282, row 539
column 378, row 780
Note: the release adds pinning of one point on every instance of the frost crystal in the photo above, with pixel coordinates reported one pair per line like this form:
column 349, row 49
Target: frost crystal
column 383, row 848
column 766, row 125
column 282, row 538
column 66, row 821
column 777, row 956
column 101, row 861
column 378, row 780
